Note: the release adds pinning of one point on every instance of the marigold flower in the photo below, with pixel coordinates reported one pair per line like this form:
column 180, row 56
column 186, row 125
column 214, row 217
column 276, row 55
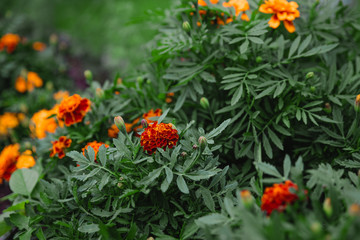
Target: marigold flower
column 203, row 3
column 41, row 123
column 33, row 80
column 239, row 6
column 26, row 160
column 278, row 197
column 73, row 109
column 159, row 136
column 357, row 103
column 95, row 145
column 60, row 95
column 169, row 97
column 9, row 41
column 8, row 158
column 39, row 46
column 8, row 121
column 282, row 10
column 59, row 146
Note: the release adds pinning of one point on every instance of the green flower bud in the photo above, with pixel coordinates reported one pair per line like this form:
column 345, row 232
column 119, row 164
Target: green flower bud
column 140, row 80
column 119, row 185
column 309, row 75
column 327, row 108
column 312, row 89
column 258, row 59
column 99, row 93
column 247, row 199
column 49, row 86
column 183, row 154
column 186, row 26
column 88, row 75
column 316, row 227
column 327, row 207
column 204, row 103
column 119, row 122
column 194, row 146
column 144, row 123
column 202, row 142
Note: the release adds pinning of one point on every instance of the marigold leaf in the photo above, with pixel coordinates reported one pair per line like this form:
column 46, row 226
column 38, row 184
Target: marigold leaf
column 182, row 185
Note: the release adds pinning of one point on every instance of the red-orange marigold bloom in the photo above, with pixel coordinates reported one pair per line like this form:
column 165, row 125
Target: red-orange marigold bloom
column 9, row 41
column 278, row 197
column 282, row 10
column 39, row 46
column 41, row 123
column 159, row 136
column 59, row 146
column 239, row 6
column 203, row 3
column 95, row 145
column 73, row 109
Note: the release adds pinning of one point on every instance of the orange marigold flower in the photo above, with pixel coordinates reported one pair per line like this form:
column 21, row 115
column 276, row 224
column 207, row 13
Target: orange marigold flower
column 41, row 123
column 203, row 3
column 239, row 6
column 357, row 103
column 73, row 109
column 159, row 136
column 60, row 95
column 9, row 41
column 282, row 10
column 26, row 160
column 95, row 145
column 8, row 121
column 278, row 197
column 39, row 46
column 59, row 146
column 169, row 97
column 8, row 158
column 33, row 80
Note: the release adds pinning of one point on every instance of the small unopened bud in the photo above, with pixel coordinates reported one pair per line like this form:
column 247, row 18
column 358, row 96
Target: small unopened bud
column 88, row 75
column 258, row 59
column 183, row 154
column 119, row 185
column 99, row 92
column 49, row 86
column 202, row 142
column 121, row 178
column 53, row 39
column 354, row 210
column 148, row 81
column 119, row 122
column 357, row 103
column 309, row 75
column 144, row 123
column 327, row 107
column 27, row 145
column 204, row 103
column 150, row 238
column 140, row 80
column 195, row 146
column 316, row 227
column 246, row 198
column 312, row 89
column 186, row 26
column 327, row 207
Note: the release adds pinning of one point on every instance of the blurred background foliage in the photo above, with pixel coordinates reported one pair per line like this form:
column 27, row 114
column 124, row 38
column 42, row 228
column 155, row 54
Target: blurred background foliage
column 113, row 32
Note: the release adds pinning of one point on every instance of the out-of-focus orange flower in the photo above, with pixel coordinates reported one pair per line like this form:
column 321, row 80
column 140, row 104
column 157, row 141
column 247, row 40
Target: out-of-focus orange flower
column 39, row 46
column 357, row 103
column 8, row 121
column 59, row 146
column 220, row 21
column 41, row 123
column 282, row 10
column 159, row 136
column 239, row 6
column 113, row 131
column 60, row 95
column 33, row 80
column 169, row 97
column 26, row 160
column 203, row 3
column 152, row 113
column 9, row 41
column 95, row 145
column 278, row 197
column 73, row 109
column 8, row 158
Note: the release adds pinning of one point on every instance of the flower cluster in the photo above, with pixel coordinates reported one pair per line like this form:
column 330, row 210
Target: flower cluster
column 278, row 197
column 282, row 10
column 73, row 109
column 59, row 146
column 42, row 122
column 94, row 145
column 31, row 81
column 9, row 121
column 11, row 159
column 9, row 42
column 159, row 136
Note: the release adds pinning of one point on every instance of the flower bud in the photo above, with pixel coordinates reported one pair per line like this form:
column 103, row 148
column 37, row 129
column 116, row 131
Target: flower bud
column 309, row 75
column 357, row 103
column 258, row 59
column 119, row 122
column 99, row 92
column 186, row 26
column 327, row 207
column 246, row 198
column 204, row 103
column 139, row 80
column 354, row 210
column 144, row 123
column 150, row 238
column 88, row 75
column 202, row 142
column 183, row 154
column 327, row 107
column 194, row 146
column 119, row 185
column 53, row 39
column 312, row 88
column 49, row 86
column 316, row 227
